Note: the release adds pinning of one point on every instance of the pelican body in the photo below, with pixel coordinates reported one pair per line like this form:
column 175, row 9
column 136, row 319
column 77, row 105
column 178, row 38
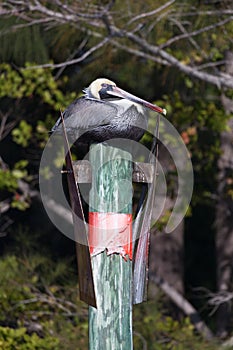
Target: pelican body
column 105, row 112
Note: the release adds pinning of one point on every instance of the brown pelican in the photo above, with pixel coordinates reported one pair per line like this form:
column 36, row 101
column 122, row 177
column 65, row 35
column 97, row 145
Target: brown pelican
column 104, row 112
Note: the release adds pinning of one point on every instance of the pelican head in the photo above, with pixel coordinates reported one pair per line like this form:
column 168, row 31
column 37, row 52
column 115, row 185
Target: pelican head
column 102, row 89
column 98, row 88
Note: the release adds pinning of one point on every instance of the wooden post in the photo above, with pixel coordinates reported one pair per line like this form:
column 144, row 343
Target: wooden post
column 110, row 238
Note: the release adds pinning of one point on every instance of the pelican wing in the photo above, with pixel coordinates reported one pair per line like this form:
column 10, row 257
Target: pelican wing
column 85, row 113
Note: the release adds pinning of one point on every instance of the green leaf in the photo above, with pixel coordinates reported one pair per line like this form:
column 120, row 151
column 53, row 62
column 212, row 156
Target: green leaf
column 22, row 134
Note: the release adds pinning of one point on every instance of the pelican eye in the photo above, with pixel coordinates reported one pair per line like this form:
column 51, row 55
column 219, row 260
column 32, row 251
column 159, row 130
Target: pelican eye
column 105, row 88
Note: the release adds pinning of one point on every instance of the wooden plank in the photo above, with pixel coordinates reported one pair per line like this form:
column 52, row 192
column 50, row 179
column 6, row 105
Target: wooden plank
column 85, row 276
column 142, row 172
column 141, row 231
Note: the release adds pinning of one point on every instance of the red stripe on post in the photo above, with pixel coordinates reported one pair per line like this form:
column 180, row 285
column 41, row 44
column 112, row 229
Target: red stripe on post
column 110, row 231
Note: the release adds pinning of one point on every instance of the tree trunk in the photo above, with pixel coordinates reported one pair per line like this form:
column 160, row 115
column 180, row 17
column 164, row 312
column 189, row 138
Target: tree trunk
column 166, row 250
column 166, row 257
column 224, row 211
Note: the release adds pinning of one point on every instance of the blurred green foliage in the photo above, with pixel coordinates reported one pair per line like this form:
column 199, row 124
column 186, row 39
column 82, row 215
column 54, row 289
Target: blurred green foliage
column 153, row 327
column 12, row 339
column 33, row 82
column 30, row 295
column 22, row 134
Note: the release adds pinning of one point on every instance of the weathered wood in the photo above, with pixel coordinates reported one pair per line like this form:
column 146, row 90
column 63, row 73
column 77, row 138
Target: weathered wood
column 142, row 172
column 110, row 325
column 85, row 276
column 82, row 171
column 141, row 232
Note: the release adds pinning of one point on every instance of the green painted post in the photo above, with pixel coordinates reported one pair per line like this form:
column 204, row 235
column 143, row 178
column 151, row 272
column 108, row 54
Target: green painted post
column 110, row 238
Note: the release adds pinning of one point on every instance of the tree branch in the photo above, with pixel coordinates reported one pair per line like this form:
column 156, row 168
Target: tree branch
column 185, row 33
column 28, row 192
column 217, row 80
column 5, row 128
column 196, row 32
column 139, row 53
column 204, row 13
column 95, row 19
column 73, row 61
column 185, row 306
column 151, row 13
